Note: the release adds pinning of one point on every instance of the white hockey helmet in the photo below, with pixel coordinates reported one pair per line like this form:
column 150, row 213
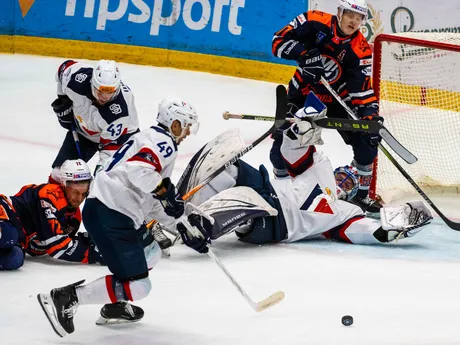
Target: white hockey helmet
column 357, row 6
column 75, row 170
column 105, row 81
column 171, row 109
column 347, row 182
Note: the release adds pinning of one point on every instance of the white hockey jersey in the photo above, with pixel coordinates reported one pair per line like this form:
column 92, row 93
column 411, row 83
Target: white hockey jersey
column 135, row 170
column 309, row 198
column 105, row 124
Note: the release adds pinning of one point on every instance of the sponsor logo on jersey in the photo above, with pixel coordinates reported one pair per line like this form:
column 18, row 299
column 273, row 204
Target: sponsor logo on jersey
column 320, row 36
column 49, row 214
column 332, row 69
column 341, row 55
column 367, row 71
column 75, row 245
column 81, row 77
column 293, row 24
column 301, row 18
column 292, row 45
column 46, row 204
column 115, row 109
column 365, row 62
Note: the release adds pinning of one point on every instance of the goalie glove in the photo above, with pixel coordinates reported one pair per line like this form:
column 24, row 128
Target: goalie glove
column 406, row 220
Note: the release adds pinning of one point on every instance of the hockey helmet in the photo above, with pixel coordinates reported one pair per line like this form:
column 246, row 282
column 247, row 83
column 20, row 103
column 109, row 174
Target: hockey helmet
column 105, row 81
column 357, row 6
column 347, row 182
column 74, row 170
column 171, row 109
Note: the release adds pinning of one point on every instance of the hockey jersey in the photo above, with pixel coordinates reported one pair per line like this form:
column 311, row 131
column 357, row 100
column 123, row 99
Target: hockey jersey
column 309, row 198
column 135, row 170
column 49, row 225
column 110, row 124
column 347, row 60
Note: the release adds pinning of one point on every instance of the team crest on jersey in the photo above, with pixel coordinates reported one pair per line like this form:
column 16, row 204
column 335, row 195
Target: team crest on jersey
column 115, row 109
column 81, row 77
column 332, row 69
column 320, row 36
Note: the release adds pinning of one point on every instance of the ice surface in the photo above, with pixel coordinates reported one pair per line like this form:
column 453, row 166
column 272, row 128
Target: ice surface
column 402, row 293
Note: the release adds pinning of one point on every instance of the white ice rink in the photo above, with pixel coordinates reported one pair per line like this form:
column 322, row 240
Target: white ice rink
column 402, row 293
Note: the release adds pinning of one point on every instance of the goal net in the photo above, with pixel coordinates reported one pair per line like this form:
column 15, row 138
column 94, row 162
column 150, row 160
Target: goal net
column 416, row 78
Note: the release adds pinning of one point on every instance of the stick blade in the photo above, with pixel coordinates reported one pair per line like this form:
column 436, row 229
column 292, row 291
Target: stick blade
column 270, row 301
column 281, row 106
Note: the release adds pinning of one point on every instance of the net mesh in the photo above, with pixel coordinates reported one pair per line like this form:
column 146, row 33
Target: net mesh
column 420, row 101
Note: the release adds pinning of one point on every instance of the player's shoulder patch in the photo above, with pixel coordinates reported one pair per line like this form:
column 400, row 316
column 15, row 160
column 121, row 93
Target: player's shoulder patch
column 115, row 109
column 360, row 47
column 52, row 194
column 319, row 16
column 80, row 81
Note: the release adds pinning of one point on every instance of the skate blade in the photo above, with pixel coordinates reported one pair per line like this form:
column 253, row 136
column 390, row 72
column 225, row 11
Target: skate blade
column 48, row 308
column 102, row 321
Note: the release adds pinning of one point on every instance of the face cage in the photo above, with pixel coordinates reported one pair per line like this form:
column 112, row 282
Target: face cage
column 349, row 192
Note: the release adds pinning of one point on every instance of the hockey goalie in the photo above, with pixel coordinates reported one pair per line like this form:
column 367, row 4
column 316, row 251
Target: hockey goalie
column 311, row 203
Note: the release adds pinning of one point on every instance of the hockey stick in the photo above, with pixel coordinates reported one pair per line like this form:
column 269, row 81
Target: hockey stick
column 280, row 118
column 76, row 140
column 325, row 122
column 266, row 303
column 383, row 132
column 451, row 224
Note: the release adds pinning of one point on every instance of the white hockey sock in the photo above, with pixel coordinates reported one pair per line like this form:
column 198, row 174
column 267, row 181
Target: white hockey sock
column 109, row 290
column 93, row 293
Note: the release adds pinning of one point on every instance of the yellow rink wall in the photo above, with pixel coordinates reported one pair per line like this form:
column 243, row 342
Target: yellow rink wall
column 229, row 37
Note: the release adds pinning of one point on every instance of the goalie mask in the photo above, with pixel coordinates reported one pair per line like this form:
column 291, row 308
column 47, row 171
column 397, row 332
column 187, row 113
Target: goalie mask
column 347, row 181
column 170, row 110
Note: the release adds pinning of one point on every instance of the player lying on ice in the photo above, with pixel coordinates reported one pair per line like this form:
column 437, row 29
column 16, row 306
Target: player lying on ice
column 44, row 219
column 310, row 204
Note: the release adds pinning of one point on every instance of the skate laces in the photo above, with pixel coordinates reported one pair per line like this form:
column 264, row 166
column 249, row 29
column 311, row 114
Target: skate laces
column 158, row 232
column 129, row 309
column 70, row 311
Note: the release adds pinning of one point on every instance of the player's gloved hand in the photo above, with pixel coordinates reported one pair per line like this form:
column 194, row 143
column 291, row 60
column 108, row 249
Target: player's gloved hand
column 311, row 65
column 374, row 138
column 305, row 117
column 200, row 244
column 94, row 256
column 170, row 199
column 63, row 107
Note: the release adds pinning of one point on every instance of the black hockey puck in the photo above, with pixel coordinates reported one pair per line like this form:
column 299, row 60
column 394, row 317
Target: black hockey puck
column 347, row 320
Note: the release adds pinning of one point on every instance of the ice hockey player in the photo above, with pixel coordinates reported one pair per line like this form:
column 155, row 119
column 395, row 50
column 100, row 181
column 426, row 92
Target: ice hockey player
column 98, row 106
column 332, row 46
column 309, row 204
column 133, row 187
column 44, row 219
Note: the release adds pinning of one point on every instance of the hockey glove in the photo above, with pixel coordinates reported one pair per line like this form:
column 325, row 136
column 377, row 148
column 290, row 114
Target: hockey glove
column 374, row 138
column 200, row 244
column 94, row 256
column 171, row 200
column 63, row 107
column 312, row 66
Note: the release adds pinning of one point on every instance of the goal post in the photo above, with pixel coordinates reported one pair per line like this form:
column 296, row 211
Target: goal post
column 416, row 78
